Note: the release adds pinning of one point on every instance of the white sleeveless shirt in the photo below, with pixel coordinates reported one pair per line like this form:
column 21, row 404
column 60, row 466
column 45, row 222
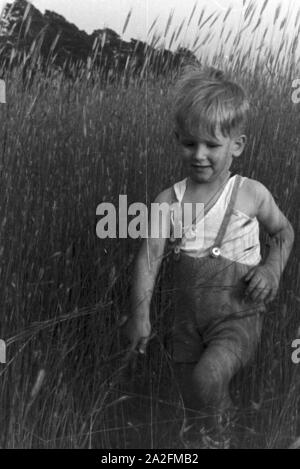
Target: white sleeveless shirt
column 241, row 241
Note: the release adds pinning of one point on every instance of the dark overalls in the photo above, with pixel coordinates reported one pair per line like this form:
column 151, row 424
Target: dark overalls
column 216, row 330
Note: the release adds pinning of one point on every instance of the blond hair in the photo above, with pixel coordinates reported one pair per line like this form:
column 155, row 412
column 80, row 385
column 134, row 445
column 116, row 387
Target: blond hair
column 206, row 101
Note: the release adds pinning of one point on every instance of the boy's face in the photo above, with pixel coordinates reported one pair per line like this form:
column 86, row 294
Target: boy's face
column 206, row 160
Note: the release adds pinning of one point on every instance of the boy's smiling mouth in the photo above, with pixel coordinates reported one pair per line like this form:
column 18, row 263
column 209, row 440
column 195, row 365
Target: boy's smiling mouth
column 199, row 166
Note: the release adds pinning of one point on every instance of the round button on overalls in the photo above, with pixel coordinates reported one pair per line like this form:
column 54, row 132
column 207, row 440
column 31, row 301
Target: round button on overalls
column 215, row 252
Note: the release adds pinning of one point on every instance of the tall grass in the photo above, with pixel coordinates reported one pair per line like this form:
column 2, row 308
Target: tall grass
column 66, row 147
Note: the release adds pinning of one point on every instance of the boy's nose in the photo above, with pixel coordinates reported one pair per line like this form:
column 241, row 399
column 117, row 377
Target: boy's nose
column 201, row 151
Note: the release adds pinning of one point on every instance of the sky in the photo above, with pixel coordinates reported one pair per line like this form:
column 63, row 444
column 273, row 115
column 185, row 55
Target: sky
column 95, row 14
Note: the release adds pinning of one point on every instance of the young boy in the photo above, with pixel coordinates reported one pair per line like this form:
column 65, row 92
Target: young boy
column 221, row 283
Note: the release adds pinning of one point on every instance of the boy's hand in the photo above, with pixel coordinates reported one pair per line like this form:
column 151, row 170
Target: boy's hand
column 263, row 284
column 137, row 329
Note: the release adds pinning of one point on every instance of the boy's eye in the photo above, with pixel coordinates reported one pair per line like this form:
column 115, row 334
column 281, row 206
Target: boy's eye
column 188, row 144
column 191, row 144
column 211, row 145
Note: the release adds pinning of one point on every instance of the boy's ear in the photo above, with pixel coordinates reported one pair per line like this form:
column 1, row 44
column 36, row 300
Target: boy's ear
column 239, row 144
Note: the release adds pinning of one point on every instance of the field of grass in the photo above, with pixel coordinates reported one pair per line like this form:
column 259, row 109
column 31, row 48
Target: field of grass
column 65, row 148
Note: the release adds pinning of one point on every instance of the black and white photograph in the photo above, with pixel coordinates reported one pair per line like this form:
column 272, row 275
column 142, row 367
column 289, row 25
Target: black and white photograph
column 149, row 223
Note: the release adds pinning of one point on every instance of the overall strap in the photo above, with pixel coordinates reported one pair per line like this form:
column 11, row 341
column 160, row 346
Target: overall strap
column 213, row 200
column 228, row 213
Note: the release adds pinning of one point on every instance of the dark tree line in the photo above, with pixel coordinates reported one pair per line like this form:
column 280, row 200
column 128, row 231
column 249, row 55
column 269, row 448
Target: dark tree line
column 46, row 41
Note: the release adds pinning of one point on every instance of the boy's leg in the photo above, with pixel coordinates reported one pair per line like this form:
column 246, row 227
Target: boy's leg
column 187, row 346
column 211, row 378
column 193, row 421
column 206, row 400
column 230, row 345
column 184, row 379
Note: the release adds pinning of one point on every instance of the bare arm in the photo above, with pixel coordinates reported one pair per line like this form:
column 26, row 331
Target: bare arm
column 280, row 230
column 145, row 272
column 144, row 275
column 264, row 279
